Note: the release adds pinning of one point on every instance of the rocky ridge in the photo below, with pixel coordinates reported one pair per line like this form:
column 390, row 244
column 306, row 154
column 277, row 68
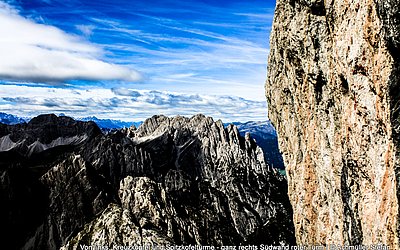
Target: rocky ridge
column 261, row 131
column 333, row 90
column 170, row 181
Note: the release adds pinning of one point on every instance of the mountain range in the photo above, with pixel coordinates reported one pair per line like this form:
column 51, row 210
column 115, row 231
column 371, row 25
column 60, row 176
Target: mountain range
column 262, row 131
column 11, row 119
column 171, row 181
column 106, row 124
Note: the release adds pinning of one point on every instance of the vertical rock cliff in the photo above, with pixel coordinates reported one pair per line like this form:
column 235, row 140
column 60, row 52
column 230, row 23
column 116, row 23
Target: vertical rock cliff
column 333, row 90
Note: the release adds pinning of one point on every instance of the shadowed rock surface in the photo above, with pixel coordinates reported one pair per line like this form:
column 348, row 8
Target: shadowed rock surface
column 266, row 138
column 333, row 90
column 171, row 181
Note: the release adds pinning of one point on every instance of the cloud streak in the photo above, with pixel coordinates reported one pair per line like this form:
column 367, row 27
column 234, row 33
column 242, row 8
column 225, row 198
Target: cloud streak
column 43, row 53
column 126, row 104
column 230, row 49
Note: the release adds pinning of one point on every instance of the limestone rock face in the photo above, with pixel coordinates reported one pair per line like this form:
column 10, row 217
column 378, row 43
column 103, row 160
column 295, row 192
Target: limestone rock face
column 183, row 181
column 333, row 90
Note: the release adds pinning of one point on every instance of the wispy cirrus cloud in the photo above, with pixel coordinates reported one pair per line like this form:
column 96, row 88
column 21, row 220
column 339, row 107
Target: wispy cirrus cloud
column 43, row 53
column 223, row 52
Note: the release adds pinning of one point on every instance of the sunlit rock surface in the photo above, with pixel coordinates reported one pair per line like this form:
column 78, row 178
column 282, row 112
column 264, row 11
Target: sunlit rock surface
column 333, row 90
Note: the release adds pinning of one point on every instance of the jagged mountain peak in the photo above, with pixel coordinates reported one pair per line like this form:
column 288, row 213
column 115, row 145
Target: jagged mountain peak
column 160, row 122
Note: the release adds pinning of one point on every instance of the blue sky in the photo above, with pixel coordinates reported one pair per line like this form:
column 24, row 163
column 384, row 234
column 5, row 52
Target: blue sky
column 129, row 60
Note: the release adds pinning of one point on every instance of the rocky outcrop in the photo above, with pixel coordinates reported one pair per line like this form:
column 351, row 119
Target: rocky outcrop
column 333, row 92
column 266, row 138
column 170, row 181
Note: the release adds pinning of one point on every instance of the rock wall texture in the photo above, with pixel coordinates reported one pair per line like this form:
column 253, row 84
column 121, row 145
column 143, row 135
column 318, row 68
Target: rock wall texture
column 333, row 90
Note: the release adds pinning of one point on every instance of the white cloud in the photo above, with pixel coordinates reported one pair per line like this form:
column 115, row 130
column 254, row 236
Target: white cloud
column 6, row 8
column 87, row 30
column 37, row 52
column 126, row 104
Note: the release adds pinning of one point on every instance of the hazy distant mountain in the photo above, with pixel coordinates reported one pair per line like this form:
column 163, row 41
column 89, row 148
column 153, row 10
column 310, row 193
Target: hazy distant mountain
column 102, row 123
column 11, row 119
column 256, row 127
column 108, row 123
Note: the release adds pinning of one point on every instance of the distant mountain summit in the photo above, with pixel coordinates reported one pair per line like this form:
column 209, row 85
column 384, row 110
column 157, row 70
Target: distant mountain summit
column 11, row 119
column 110, row 124
column 256, row 127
